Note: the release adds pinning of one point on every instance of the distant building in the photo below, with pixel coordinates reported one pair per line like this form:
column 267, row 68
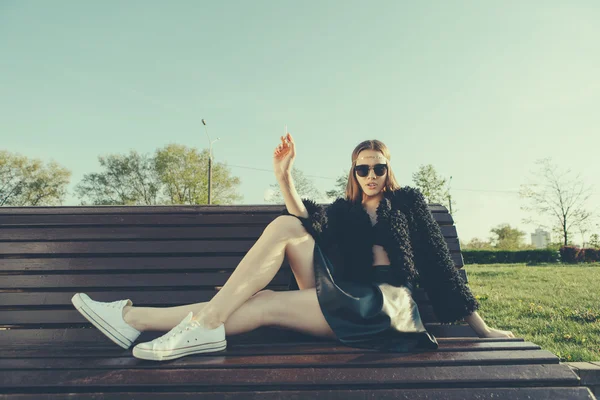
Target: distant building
column 540, row 239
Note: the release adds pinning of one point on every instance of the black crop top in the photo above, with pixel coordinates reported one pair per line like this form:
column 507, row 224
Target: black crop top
column 378, row 235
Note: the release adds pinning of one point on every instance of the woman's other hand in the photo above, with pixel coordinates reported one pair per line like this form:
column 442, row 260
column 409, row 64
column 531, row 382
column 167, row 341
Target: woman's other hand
column 497, row 333
column 284, row 155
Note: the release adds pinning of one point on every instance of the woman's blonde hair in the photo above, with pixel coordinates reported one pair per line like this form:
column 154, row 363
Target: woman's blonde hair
column 353, row 189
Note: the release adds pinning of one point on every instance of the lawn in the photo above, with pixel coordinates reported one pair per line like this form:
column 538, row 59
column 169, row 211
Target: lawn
column 556, row 306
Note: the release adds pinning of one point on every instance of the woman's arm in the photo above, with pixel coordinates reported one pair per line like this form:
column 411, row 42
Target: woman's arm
column 293, row 203
column 480, row 327
column 283, row 158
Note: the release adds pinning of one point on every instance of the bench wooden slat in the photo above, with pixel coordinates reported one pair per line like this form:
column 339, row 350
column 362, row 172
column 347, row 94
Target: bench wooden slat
column 144, row 263
column 82, row 281
column 156, row 219
column 498, row 393
column 137, row 247
column 89, row 338
column 140, row 296
column 130, row 232
column 60, row 349
column 140, row 247
column 144, row 232
column 93, row 220
column 436, row 359
column 167, row 209
column 204, row 262
column 72, row 317
column 311, row 377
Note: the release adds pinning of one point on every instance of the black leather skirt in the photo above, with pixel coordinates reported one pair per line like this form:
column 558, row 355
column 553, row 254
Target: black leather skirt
column 380, row 314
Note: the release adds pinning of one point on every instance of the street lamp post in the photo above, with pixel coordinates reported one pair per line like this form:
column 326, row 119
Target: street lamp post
column 209, row 161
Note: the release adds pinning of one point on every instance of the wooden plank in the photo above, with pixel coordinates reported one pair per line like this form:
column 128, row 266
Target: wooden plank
column 139, row 247
column 236, row 348
column 136, row 219
column 143, row 263
column 380, row 359
column 498, row 393
column 166, row 209
column 127, row 247
column 68, row 233
column 307, row 378
column 39, row 318
column 129, row 232
column 108, row 263
column 173, row 219
column 140, row 296
column 92, row 338
column 106, row 281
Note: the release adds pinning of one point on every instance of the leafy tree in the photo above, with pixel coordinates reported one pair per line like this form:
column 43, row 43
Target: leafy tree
column 129, row 179
column 176, row 174
column 28, row 182
column 507, row 238
column 339, row 189
column 434, row 187
column 303, row 185
column 477, row 244
column 557, row 196
column 595, row 240
column 183, row 172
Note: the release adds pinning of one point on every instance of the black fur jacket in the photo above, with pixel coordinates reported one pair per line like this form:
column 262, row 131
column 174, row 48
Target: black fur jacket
column 413, row 241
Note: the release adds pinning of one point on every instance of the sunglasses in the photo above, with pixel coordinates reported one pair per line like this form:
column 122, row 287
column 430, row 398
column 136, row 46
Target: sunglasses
column 363, row 170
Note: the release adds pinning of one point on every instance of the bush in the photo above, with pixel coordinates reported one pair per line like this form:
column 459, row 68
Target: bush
column 510, row 257
column 574, row 254
column 591, row 255
column 569, row 254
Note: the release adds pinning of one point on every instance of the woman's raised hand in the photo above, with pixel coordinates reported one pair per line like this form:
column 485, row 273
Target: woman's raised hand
column 284, row 155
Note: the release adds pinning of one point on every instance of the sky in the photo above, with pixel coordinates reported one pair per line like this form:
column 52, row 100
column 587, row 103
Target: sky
column 480, row 90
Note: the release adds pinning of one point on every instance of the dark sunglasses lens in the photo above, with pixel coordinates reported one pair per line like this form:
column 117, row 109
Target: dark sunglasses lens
column 362, row 170
column 380, row 169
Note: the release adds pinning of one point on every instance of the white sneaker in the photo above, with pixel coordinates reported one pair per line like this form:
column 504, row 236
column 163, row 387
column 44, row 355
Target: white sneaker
column 108, row 317
column 188, row 337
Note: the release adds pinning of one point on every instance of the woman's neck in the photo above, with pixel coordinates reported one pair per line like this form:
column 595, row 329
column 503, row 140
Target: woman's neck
column 372, row 202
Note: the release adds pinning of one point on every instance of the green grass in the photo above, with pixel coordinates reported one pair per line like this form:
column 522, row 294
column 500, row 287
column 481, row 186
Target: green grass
column 556, row 306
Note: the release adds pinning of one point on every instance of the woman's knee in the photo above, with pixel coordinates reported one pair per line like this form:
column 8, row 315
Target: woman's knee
column 287, row 225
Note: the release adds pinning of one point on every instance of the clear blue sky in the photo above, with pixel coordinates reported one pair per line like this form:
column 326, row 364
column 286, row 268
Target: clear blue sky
column 478, row 89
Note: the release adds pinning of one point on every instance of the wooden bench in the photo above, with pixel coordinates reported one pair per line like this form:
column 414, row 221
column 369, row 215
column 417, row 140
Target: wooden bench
column 164, row 256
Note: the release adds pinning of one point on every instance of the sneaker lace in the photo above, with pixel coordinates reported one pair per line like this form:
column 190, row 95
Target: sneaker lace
column 179, row 329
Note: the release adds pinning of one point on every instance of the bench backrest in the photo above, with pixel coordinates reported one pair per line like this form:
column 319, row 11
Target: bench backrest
column 156, row 256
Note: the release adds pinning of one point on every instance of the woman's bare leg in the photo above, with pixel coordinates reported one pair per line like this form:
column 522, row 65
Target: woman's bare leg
column 284, row 236
column 297, row 310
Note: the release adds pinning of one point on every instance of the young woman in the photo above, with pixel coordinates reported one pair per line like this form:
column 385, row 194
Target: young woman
column 353, row 263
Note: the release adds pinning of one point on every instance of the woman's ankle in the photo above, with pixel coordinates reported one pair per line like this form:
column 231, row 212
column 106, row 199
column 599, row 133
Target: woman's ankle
column 207, row 321
column 129, row 316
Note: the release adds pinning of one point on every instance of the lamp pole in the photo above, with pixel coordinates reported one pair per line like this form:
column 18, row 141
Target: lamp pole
column 210, row 143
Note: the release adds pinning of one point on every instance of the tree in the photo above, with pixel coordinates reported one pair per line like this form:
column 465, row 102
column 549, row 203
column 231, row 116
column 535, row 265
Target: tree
column 28, row 182
column 477, row 244
column 559, row 197
column 507, row 238
column 339, row 189
column 176, row 174
column 126, row 180
column 183, row 172
column 433, row 187
column 595, row 240
column 303, row 185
